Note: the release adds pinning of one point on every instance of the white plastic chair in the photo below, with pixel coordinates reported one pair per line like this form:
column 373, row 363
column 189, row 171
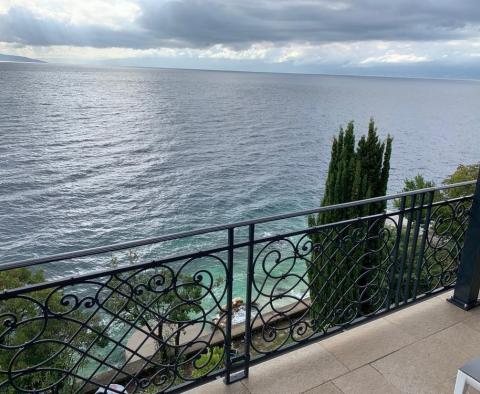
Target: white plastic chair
column 468, row 374
column 117, row 387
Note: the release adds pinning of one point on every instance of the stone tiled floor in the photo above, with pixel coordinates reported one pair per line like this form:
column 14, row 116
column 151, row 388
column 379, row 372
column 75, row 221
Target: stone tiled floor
column 415, row 350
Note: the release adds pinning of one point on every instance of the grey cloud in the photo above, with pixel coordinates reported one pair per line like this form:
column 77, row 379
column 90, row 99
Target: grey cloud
column 205, row 22
column 19, row 25
column 202, row 23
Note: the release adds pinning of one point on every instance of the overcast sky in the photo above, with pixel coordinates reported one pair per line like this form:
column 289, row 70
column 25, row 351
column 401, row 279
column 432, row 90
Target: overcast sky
column 438, row 38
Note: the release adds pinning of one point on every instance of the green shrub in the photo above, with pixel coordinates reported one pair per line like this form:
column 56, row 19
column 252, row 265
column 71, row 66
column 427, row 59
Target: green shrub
column 208, row 362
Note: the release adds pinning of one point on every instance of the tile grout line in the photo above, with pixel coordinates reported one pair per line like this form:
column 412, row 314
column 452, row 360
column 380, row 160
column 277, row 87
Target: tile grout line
column 335, row 357
column 412, row 343
column 393, row 351
column 361, row 366
column 341, row 376
column 337, row 386
column 390, row 353
column 437, row 332
column 337, row 377
column 245, row 386
column 419, row 339
column 386, row 380
column 370, row 363
column 321, row 384
column 327, row 381
column 380, row 372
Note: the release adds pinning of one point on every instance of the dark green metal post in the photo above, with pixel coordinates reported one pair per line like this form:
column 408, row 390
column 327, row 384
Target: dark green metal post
column 467, row 287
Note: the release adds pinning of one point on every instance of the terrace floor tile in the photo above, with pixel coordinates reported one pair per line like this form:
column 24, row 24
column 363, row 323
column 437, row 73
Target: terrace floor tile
column 296, row 372
column 362, row 345
column 365, row 380
column 326, row 388
column 428, row 317
column 416, row 350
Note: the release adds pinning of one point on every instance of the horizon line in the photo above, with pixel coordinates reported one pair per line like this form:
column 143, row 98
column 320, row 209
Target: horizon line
column 96, row 64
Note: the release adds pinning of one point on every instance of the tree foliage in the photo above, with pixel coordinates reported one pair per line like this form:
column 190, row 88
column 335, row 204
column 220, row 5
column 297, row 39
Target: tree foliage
column 416, row 183
column 355, row 173
column 444, row 231
column 208, row 362
column 38, row 339
column 462, row 173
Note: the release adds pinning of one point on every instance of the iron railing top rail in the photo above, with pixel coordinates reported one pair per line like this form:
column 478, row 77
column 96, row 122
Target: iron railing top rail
column 191, row 233
column 95, row 274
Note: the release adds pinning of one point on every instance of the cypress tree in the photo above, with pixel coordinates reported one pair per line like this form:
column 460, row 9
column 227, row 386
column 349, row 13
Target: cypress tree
column 343, row 274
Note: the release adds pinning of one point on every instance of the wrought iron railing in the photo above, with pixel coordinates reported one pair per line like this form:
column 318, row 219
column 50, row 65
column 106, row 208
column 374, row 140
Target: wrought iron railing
column 156, row 323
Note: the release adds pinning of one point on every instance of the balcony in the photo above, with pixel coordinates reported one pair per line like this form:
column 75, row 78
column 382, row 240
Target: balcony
column 267, row 305
column 415, row 350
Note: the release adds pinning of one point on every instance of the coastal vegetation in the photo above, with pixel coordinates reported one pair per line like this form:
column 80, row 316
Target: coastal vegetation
column 354, row 263
column 468, row 172
column 463, row 172
column 339, row 273
column 416, row 183
column 35, row 334
column 445, row 235
column 208, row 362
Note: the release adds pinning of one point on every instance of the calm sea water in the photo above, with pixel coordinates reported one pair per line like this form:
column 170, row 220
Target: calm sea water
column 92, row 156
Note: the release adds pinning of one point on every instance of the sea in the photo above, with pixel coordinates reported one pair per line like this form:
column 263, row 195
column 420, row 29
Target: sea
column 91, row 156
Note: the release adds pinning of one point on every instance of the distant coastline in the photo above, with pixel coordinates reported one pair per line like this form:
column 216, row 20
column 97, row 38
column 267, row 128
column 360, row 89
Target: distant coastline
column 18, row 59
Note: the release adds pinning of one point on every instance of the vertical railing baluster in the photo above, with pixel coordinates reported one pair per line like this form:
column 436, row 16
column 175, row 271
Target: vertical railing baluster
column 405, row 250
column 248, row 309
column 426, row 227
column 228, row 339
column 414, row 247
column 398, row 240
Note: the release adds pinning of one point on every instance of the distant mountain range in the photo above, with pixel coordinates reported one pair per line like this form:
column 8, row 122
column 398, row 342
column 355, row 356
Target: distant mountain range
column 10, row 58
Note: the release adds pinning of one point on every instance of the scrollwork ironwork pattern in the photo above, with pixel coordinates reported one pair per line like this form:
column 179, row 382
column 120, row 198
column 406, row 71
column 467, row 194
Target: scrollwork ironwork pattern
column 160, row 326
column 146, row 327
column 352, row 271
column 449, row 221
column 338, row 283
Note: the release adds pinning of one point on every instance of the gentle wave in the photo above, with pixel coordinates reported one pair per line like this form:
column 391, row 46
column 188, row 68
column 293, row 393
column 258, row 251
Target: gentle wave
column 145, row 152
